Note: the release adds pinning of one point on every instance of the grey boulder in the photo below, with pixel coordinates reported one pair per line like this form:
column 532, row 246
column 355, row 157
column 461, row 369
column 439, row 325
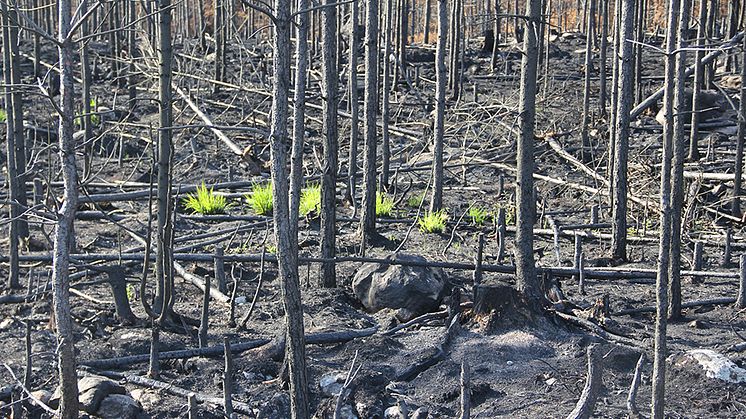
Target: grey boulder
column 410, row 290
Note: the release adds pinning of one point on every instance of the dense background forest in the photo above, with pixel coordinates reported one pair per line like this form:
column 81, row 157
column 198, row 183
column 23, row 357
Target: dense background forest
column 373, row 209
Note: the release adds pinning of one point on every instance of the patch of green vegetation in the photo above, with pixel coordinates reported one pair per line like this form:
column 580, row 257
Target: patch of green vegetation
column 260, row 198
column 310, row 201
column 415, row 201
column 433, row 221
column 131, row 292
column 384, row 205
column 205, row 201
column 478, row 215
column 3, row 116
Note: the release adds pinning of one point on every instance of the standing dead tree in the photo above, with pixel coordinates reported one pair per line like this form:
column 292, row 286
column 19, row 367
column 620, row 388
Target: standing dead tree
column 164, row 296
column 329, row 170
column 64, row 226
column 677, row 174
column 368, row 217
column 286, row 253
column 440, row 105
column 659, row 356
column 527, row 281
column 624, row 103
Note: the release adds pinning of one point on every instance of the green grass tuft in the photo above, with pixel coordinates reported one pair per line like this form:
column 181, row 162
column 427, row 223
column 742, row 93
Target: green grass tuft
column 205, row 201
column 415, row 201
column 260, row 198
column 478, row 215
column 384, row 205
column 310, row 201
column 433, row 221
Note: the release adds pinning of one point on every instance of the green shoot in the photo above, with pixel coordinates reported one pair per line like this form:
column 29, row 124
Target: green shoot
column 3, row 116
column 478, row 215
column 310, row 200
column 415, row 201
column 260, row 198
column 205, row 201
column 384, row 205
column 433, row 221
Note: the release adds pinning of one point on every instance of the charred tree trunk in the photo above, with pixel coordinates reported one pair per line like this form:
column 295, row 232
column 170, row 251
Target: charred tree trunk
column 299, row 122
column 386, row 94
column 368, row 219
column 738, row 182
column 64, row 227
column 329, row 170
column 587, row 84
column 436, row 201
column 659, row 361
column 527, row 282
column 286, row 254
column 624, row 104
column 677, row 175
column 164, row 262
column 354, row 105
column 698, row 82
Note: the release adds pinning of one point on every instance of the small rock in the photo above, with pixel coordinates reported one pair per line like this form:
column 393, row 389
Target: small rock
column 93, row 389
column 396, row 412
column 718, row 366
column 7, row 323
column 240, row 300
column 148, row 399
column 420, row 413
column 698, row 324
column 43, row 396
column 509, row 363
column 347, row 412
column 120, row 406
column 331, row 384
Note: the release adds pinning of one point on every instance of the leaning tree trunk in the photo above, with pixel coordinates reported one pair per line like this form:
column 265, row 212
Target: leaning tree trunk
column 677, row 175
column 527, row 281
column 659, row 360
column 368, row 218
column 738, row 182
column 286, row 260
column 164, row 264
column 698, row 82
column 436, row 201
column 624, row 104
column 65, row 218
column 329, row 170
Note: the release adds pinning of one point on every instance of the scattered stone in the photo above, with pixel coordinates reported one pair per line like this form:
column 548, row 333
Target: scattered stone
column 240, row 300
column 718, row 366
column 347, row 412
column 731, row 82
column 148, row 399
column 120, row 406
column 698, row 324
column 93, row 389
column 399, row 411
column 331, row 384
column 411, row 290
column 421, row 413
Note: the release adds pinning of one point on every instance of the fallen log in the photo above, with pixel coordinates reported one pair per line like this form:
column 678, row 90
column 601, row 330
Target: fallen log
column 210, row 351
column 178, row 391
column 200, row 283
column 688, row 304
column 221, row 136
column 600, row 331
column 652, row 99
